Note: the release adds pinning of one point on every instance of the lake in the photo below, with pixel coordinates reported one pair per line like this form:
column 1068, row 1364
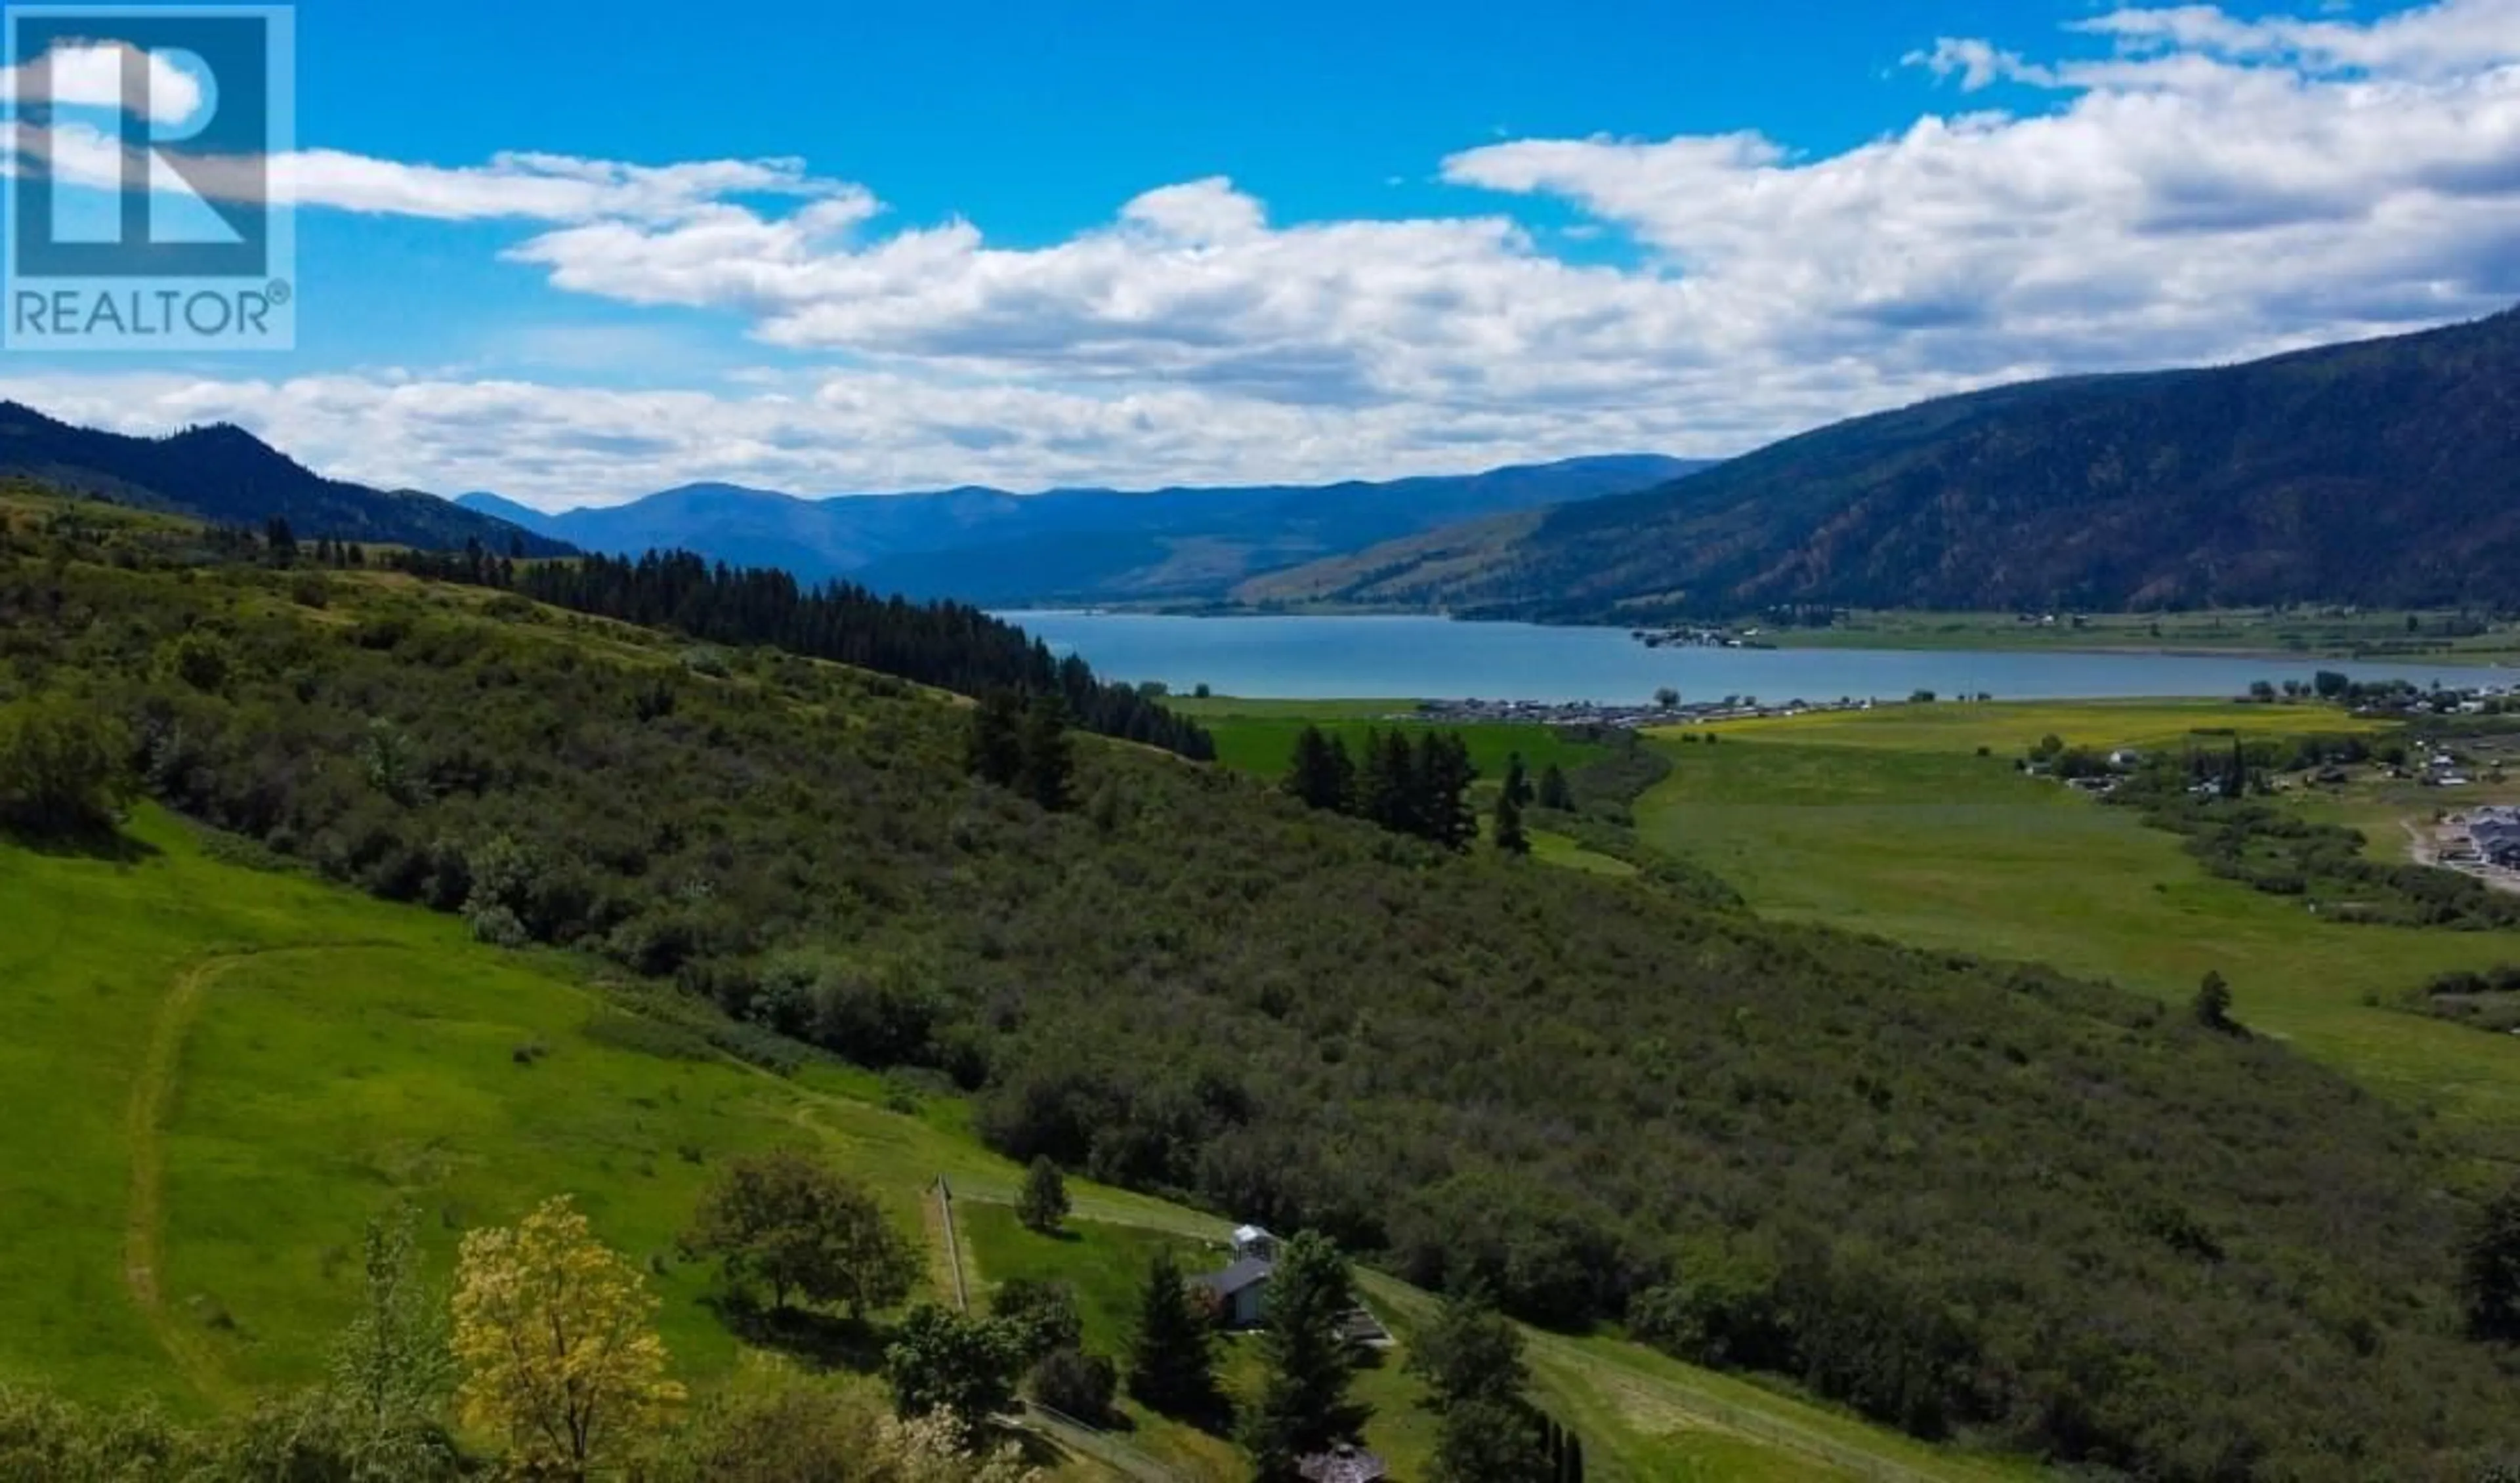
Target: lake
column 1437, row 658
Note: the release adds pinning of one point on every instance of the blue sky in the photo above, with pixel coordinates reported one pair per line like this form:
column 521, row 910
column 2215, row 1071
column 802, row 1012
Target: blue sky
column 578, row 253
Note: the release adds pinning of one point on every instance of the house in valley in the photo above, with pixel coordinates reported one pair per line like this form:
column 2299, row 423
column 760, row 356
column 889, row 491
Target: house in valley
column 1240, row 1293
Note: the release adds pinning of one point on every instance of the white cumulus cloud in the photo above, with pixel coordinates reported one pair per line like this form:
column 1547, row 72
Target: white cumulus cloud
column 2167, row 184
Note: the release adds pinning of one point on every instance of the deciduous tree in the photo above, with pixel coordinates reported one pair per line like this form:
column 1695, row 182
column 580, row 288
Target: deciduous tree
column 790, row 1221
column 555, row 1333
column 1044, row 1201
column 1041, row 1314
column 956, row 1364
column 61, row 767
column 392, row 1368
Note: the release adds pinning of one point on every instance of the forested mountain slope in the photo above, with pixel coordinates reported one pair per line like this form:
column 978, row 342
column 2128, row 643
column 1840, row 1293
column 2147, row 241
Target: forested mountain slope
column 2385, row 472
column 1967, row 1198
column 225, row 474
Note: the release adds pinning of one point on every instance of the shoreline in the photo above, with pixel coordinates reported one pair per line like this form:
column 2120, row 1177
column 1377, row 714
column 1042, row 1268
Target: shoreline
column 1867, row 641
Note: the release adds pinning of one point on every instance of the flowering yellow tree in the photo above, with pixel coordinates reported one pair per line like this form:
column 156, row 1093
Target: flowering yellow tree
column 556, row 1335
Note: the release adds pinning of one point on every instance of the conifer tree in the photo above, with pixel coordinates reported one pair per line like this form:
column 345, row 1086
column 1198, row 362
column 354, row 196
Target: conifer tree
column 1304, row 1406
column 1049, row 767
column 1441, row 776
column 993, row 751
column 1554, row 791
column 1343, row 776
column 2212, row 1003
column 2489, row 1271
column 1471, row 1361
column 1319, row 773
column 1172, row 1360
column 1387, row 785
column 1517, row 780
column 1510, row 838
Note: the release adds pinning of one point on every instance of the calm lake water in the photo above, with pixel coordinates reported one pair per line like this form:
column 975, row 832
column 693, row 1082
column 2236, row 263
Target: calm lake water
column 1435, row 658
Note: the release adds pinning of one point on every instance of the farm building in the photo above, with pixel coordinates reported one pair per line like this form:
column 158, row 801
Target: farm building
column 1241, row 1291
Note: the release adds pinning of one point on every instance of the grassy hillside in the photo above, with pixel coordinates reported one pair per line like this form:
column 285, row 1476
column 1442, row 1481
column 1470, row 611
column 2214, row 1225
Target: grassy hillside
column 222, row 1072
column 2378, row 473
column 217, row 1074
column 1917, row 1183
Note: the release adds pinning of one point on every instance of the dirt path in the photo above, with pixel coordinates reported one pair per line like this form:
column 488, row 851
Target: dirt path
column 152, row 1095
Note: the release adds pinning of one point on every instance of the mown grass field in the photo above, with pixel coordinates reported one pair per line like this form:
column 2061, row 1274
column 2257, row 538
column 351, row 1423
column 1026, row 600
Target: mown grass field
column 217, row 1074
column 1889, row 823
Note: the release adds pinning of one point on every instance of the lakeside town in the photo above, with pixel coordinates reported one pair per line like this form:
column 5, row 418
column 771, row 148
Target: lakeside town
column 1666, row 709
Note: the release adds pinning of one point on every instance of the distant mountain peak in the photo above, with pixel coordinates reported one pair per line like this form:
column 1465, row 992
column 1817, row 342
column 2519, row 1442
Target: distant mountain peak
column 220, row 472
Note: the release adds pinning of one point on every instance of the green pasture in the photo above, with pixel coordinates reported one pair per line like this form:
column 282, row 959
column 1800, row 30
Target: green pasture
column 2010, row 728
column 1889, row 823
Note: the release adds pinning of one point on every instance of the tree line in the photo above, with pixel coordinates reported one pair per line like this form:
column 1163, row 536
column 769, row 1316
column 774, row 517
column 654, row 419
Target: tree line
column 1418, row 787
column 951, row 646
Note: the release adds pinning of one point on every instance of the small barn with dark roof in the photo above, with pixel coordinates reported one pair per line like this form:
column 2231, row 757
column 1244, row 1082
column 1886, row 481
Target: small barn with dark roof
column 1240, row 1290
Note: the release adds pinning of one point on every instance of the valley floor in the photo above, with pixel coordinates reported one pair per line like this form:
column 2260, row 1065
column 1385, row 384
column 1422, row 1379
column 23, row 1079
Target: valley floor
column 1890, row 822
column 1911, row 821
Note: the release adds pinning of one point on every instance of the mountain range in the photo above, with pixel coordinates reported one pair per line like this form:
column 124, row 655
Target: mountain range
column 226, row 476
column 992, row 547
column 2384, row 472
